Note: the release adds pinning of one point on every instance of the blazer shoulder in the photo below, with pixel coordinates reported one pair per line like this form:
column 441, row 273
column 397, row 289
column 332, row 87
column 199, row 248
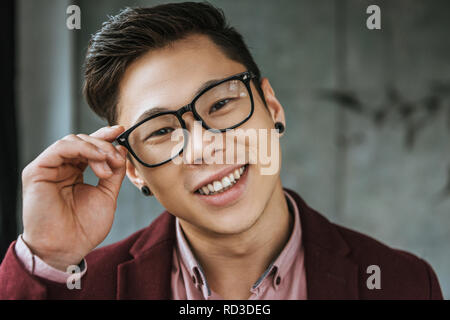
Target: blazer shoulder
column 115, row 253
column 403, row 273
column 366, row 247
column 121, row 251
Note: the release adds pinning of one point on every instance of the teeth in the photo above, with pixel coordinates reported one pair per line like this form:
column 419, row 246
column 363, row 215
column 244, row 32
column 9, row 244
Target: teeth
column 226, row 182
column 222, row 185
column 205, row 190
column 217, row 186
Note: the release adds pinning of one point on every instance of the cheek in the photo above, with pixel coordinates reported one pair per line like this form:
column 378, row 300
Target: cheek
column 164, row 181
column 168, row 188
column 267, row 150
column 261, row 117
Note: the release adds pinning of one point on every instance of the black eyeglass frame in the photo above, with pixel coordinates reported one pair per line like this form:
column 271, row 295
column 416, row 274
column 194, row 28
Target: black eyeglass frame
column 245, row 77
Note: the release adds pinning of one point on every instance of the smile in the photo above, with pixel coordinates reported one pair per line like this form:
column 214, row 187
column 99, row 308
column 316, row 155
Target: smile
column 222, row 184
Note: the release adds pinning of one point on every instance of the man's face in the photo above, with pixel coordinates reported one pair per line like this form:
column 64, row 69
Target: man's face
column 169, row 78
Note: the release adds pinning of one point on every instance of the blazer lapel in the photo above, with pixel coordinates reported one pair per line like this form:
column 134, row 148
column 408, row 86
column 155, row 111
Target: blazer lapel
column 330, row 274
column 148, row 274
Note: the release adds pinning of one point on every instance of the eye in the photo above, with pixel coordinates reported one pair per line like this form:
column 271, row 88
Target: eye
column 160, row 132
column 218, row 105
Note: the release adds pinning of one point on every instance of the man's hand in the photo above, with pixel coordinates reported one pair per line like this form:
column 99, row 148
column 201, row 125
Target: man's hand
column 64, row 218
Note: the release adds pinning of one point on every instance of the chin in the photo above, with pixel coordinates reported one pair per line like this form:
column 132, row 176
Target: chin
column 232, row 226
column 234, row 220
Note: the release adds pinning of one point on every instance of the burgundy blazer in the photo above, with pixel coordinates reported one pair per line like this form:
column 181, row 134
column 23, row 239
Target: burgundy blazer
column 139, row 267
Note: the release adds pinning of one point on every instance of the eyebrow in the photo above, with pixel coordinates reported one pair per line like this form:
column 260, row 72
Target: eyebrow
column 150, row 112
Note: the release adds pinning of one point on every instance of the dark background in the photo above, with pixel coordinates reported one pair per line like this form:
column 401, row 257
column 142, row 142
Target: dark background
column 368, row 111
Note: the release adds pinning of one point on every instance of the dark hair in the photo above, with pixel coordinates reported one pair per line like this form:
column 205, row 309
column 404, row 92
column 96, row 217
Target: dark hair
column 135, row 31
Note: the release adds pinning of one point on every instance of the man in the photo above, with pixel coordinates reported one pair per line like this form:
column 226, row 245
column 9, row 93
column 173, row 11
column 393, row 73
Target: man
column 230, row 231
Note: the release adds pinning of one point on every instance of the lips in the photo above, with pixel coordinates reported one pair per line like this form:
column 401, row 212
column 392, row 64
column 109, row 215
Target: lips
column 221, row 183
column 229, row 195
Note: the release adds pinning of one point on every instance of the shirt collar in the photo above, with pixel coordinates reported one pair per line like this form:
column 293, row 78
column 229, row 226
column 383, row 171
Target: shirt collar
column 292, row 248
column 189, row 261
column 280, row 265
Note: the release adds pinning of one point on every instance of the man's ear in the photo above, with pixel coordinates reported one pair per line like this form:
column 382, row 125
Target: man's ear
column 134, row 175
column 273, row 105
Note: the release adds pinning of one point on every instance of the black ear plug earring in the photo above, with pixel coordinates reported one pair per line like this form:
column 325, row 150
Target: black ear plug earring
column 146, row 191
column 279, row 126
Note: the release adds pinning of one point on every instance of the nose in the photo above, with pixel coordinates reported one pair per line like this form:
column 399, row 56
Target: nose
column 199, row 149
column 193, row 153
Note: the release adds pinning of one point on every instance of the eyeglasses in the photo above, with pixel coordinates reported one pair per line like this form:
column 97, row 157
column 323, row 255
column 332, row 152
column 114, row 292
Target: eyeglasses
column 221, row 106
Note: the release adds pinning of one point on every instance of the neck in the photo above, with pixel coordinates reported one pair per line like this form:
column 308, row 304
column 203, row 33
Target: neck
column 232, row 264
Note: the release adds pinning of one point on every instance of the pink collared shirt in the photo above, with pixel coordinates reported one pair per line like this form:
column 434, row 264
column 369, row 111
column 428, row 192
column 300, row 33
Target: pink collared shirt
column 284, row 279
column 38, row 267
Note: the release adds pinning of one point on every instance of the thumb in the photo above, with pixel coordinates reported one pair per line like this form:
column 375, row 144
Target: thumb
column 123, row 151
column 112, row 184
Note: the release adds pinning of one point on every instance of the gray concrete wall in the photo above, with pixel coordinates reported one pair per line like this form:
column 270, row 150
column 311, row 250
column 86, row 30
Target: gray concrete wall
column 45, row 79
column 356, row 172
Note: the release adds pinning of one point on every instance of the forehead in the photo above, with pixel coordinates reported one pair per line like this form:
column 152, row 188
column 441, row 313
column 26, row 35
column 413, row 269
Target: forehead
column 169, row 77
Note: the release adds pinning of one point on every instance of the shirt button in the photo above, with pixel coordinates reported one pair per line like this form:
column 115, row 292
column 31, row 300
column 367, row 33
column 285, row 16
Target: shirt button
column 278, row 280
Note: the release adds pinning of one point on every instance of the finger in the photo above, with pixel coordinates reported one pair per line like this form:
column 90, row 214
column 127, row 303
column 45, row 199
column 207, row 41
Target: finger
column 54, row 162
column 101, row 169
column 69, row 148
column 111, row 185
column 123, row 151
column 80, row 163
column 114, row 156
column 108, row 133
